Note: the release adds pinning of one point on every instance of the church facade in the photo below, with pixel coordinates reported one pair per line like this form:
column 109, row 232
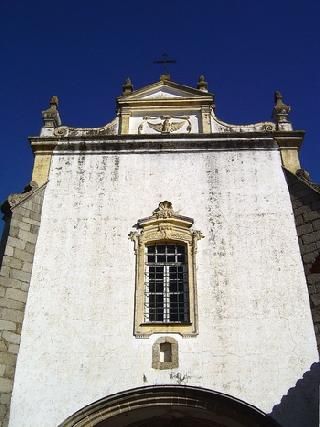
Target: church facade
column 162, row 269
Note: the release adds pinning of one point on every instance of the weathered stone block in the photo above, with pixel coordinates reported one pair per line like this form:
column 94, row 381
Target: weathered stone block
column 3, row 345
column 16, row 294
column 16, row 243
column 309, row 257
column 315, row 299
column 10, row 303
column 23, row 255
column 24, row 212
column 2, row 291
column 27, row 266
column 3, row 410
column 30, row 247
column 11, row 337
column 305, row 249
column 304, row 229
column 299, row 220
column 5, row 398
column 27, row 236
column 35, row 229
column 21, row 225
column 20, row 275
column 9, row 250
column 316, row 315
column 8, row 358
column 300, row 211
column 316, row 224
column 13, row 348
column 310, row 216
column 13, row 262
column 25, row 286
column 5, row 385
column 9, row 373
column 6, row 325
column 312, row 237
column 11, row 315
column 30, row 221
column 10, row 282
column 2, row 370
column 314, row 279
column 14, row 231
column 35, row 216
column 5, row 271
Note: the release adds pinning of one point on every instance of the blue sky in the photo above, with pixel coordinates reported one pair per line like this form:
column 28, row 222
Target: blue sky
column 82, row 51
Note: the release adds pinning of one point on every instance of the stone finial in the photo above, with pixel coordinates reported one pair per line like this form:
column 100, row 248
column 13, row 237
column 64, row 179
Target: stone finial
column 51, row 117
column 127, row 87
column 202, row 84
column 164, row 77
column 280, row 112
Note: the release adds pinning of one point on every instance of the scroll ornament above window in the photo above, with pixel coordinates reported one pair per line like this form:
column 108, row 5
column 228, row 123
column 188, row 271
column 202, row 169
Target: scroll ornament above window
column 166, row 298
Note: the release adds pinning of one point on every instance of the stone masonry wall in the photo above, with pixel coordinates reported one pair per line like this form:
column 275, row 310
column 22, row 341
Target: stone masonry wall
column 22, row 218
column 305, row 197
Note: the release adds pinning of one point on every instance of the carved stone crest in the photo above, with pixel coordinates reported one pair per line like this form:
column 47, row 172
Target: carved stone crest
column 167, row 124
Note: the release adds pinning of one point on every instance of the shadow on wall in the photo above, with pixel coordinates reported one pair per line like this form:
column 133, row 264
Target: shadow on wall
column 300, row 406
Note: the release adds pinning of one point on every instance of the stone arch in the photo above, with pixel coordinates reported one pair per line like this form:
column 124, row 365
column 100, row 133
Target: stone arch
column 169, row 405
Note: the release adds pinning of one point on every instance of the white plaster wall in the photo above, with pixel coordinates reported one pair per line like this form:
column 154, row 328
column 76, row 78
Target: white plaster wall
column 256, row 336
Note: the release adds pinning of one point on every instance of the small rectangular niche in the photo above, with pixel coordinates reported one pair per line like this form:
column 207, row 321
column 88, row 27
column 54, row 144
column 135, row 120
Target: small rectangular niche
column 165, row 352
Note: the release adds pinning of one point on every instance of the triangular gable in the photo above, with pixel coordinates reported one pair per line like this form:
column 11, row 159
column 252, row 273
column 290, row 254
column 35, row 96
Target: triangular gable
column 165, row 89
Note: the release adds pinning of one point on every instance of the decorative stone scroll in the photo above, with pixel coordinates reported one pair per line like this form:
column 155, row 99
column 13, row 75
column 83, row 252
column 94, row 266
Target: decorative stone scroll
column 16, row 198
column 165, row 226
column 222, row 127
column 108, row 129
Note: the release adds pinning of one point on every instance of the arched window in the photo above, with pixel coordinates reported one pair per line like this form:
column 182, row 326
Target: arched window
column 165, row 248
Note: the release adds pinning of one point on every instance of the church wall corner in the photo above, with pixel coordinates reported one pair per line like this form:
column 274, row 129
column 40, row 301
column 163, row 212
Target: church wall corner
column 18, row 244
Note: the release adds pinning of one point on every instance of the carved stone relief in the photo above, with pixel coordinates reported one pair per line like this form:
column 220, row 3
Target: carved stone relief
column 167, row 124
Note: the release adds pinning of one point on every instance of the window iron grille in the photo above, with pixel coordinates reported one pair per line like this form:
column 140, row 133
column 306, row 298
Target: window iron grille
column 166, row 284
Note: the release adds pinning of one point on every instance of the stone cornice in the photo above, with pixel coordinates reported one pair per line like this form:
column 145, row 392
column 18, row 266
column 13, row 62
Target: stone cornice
column 174, row 142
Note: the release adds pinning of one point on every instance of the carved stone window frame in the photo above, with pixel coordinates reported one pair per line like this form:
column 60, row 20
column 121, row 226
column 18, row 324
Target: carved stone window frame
column 165, row 226
column 156, row 362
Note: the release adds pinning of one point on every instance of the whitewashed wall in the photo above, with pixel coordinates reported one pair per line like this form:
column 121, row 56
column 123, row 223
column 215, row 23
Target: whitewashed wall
column 256, row 336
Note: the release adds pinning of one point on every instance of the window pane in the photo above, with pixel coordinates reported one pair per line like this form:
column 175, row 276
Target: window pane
column 161, row 249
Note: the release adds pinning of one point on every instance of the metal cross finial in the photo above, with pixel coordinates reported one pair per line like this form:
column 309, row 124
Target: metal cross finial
column 164, row 61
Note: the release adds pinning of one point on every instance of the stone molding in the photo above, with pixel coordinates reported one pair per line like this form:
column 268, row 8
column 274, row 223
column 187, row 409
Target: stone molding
column 22, row 216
